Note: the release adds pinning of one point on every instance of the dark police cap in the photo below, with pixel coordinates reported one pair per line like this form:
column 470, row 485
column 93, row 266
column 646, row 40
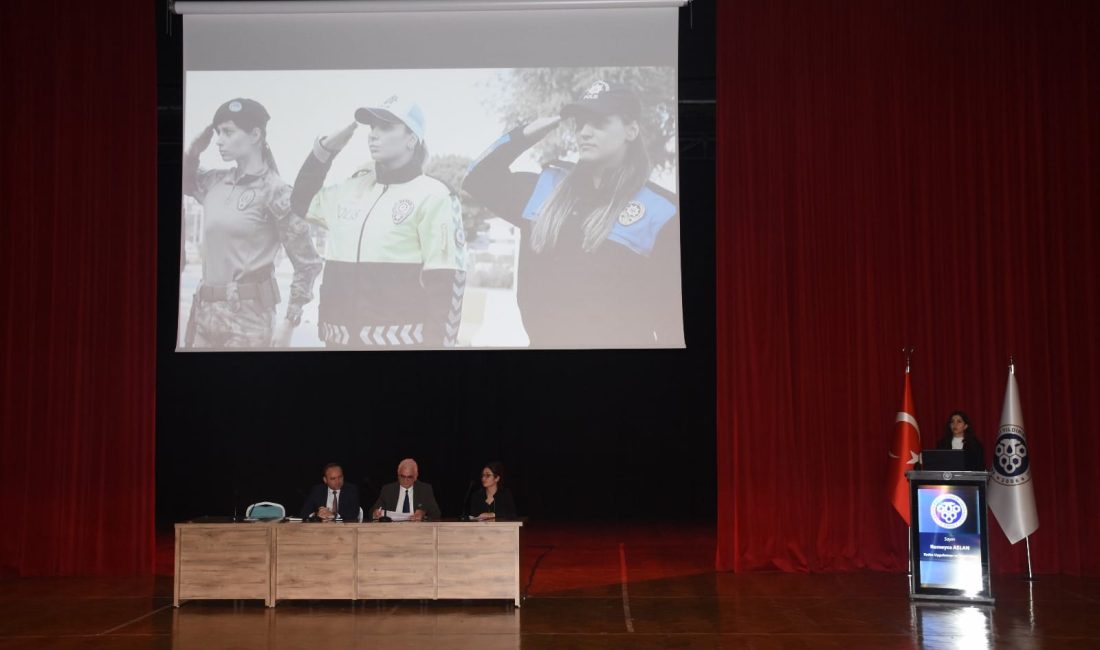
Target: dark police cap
column 245, row 113
column 602, row 98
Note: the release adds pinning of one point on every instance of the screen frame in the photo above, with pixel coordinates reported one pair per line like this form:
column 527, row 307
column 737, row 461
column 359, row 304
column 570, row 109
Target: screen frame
column 923, row 479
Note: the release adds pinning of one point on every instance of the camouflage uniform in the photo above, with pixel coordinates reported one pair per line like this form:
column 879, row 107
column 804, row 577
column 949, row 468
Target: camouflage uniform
column 247, row 217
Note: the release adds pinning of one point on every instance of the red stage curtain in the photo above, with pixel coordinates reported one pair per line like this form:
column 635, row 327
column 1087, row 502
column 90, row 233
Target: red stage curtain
column 919, row 173
column 77, row 286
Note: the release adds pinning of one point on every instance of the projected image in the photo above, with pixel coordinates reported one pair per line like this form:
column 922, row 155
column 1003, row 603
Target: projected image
column 430, row 209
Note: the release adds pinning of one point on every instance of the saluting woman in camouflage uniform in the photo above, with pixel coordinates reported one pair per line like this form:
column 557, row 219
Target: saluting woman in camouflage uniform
column 246, row 219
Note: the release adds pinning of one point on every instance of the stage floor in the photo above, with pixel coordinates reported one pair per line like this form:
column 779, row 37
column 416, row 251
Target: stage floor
column 606, row 587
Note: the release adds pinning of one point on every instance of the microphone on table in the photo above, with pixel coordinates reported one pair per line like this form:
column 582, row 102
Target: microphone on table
column 466, row 501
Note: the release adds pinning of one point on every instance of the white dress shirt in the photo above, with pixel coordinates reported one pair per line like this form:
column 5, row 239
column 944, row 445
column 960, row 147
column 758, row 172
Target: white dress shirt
column 329, row 499
column 401, row 492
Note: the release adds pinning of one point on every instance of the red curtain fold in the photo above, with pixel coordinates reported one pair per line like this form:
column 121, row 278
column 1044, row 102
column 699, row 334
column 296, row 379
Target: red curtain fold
column 917, row 173
column 77, row 287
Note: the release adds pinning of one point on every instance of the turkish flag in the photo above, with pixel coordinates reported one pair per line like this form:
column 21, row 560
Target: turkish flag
column 904, row 453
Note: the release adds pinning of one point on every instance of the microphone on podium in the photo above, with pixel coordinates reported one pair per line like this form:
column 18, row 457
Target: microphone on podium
column 466, row 501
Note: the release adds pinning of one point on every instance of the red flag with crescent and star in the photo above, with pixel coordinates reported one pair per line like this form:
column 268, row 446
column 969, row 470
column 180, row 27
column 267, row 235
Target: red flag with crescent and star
column 904, row 453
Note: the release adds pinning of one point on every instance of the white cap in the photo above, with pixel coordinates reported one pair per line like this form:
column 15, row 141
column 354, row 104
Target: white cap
column 394, row 109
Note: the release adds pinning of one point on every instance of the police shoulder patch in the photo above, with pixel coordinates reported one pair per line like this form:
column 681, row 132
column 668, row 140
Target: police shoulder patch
column 402, row 209
column 632, row 213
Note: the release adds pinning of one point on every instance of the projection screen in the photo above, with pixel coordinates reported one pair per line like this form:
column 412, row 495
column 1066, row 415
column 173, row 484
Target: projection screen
column 430, row 175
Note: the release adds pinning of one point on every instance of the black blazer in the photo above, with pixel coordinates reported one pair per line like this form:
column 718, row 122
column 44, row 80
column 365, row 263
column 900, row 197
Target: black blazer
column 503, row 504
column 973, row 453
column 318, row 497
column 425, row 499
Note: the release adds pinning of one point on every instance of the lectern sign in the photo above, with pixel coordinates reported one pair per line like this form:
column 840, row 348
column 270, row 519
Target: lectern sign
column 950, row 556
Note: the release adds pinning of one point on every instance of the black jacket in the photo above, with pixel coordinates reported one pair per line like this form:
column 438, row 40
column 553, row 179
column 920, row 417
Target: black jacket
column 504, row 506
column 973, row 453
column 425, row 499
column 318, row 497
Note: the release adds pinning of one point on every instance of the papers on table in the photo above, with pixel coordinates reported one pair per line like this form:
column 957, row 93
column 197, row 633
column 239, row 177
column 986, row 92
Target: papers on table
column 398, row 516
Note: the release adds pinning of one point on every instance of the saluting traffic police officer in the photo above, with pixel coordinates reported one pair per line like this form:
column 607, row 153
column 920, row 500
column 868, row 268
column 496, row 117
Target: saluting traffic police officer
column 395, row 251
column 246, row 218
column 601, row 254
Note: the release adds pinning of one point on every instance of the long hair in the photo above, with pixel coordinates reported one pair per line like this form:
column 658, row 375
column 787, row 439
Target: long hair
column 948, row 434
column 619, row 185
column 497, row 468
column 420, row 155
column 269, row 159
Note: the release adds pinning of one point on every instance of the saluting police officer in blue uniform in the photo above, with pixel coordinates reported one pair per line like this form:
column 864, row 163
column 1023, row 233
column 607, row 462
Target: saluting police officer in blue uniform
column 600, row 263
column 246, row 218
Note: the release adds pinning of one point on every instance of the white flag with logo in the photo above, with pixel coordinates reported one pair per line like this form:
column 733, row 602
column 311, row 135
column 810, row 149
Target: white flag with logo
column 1011, row 496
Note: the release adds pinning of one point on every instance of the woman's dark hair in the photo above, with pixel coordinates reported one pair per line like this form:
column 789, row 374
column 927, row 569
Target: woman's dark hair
column 948, row 433
column 497, row 468
column 248, row 114
column 420, row 155
column 619, row 185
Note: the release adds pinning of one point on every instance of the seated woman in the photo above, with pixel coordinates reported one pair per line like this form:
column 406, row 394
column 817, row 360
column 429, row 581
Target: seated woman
column 492, row 501
column 957, row 434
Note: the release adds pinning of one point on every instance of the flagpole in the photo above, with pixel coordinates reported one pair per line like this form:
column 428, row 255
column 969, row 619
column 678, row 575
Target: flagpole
column 1027, row 545
column 908, row 352
column 909, row 537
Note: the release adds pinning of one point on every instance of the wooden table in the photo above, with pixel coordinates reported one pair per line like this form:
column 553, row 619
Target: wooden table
column 280, row 561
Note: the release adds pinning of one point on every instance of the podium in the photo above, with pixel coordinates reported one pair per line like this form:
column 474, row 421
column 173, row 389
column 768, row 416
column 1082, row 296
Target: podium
column 949, row 536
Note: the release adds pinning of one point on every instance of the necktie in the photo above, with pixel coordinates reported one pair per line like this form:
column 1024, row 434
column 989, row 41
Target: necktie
column 335, row 503
column 405, row 506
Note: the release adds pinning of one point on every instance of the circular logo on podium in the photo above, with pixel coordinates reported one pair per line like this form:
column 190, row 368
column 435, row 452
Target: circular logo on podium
column 948, row 511
column 1010, row 455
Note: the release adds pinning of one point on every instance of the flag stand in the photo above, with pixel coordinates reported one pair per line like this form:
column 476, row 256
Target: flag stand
column 1027, row 544
column 909, row 536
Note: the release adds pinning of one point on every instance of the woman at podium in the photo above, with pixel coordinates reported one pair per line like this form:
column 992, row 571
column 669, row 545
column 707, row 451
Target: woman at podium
column 959, row 435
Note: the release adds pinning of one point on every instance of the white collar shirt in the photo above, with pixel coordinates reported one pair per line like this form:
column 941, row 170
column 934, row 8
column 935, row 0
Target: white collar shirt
column 401, row 492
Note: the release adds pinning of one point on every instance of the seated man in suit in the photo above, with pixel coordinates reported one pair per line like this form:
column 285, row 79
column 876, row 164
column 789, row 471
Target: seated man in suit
column 407, row 495
column 332, row 497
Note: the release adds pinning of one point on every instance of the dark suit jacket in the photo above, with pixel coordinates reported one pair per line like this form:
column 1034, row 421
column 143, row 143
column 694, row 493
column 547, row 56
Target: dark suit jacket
column 973, row 453
column 504, row 506
column 318, row 497
column 422, row 492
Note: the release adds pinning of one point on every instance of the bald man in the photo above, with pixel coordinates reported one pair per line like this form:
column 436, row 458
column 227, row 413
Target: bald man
column 407, row 495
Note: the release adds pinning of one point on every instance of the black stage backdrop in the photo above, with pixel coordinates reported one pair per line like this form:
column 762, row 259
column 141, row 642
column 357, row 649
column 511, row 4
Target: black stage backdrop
column 595, row 434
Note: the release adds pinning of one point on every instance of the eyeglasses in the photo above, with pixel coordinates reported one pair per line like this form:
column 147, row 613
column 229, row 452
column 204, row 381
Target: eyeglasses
column 407, row 476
